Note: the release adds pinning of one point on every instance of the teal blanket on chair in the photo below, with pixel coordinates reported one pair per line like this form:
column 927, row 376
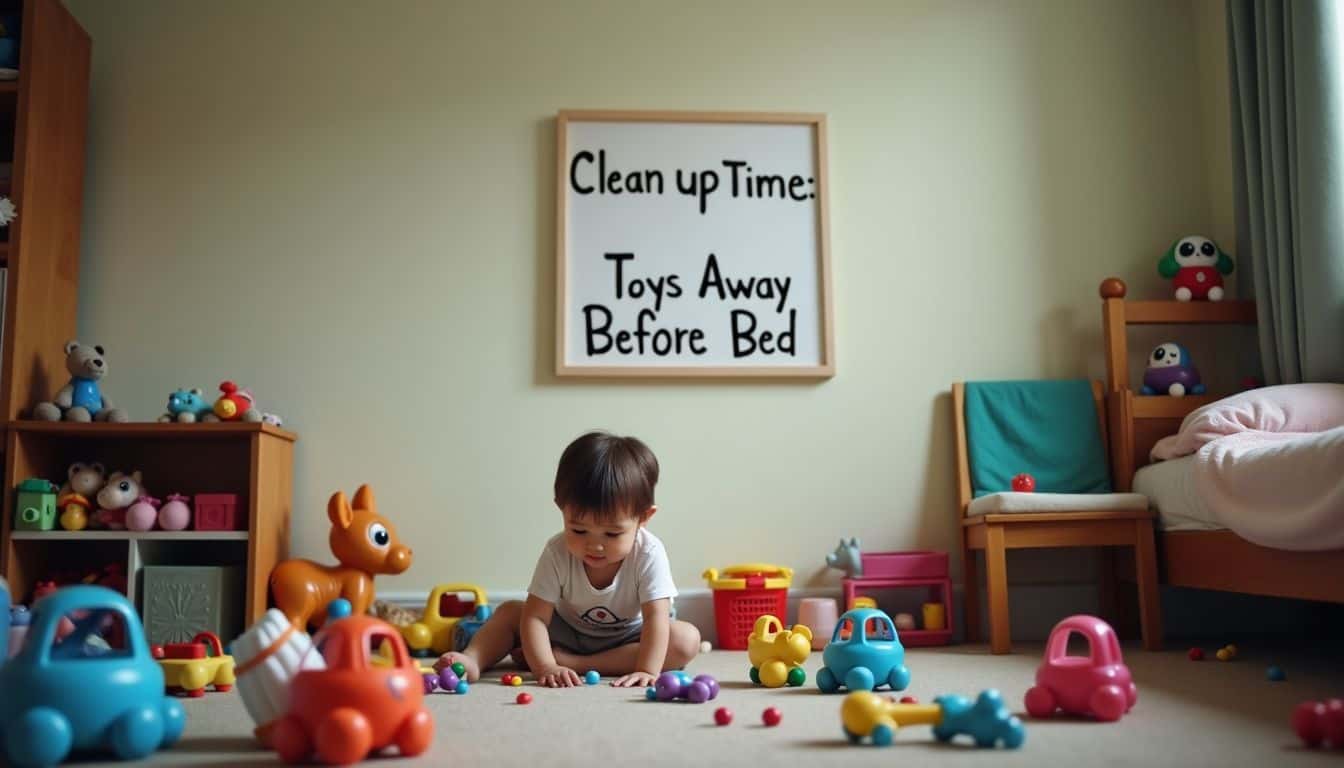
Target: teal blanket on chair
column 1047, row 429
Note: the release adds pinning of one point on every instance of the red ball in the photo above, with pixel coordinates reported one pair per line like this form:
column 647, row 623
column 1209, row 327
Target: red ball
column 1332, row 724
column 723, row 716
column 771, row 717
column 1024, row 483
column 1196, row 654
column 909, row 700
column 1307, row 722
column 506, row 679
column 524, row 698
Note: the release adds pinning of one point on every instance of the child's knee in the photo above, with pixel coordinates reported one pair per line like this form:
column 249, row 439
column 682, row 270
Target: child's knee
column 684, row 642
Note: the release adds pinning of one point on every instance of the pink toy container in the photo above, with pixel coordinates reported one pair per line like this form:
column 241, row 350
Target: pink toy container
column 924, row 569
column 216, row 512
column 916, row 564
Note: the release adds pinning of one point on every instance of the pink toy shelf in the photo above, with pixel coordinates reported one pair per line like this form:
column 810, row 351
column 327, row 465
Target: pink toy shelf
column 921, row 568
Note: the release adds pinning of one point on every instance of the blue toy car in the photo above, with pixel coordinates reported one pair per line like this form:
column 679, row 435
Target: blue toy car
column 79, row 692
column 864, row 653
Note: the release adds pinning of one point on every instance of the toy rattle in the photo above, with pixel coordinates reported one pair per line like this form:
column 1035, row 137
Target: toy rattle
column 986, row 720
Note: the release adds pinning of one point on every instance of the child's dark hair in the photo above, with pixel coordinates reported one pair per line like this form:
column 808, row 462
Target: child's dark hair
column 606, row 476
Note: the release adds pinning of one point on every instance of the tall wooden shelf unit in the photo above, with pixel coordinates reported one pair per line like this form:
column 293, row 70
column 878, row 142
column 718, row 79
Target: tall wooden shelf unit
column 43, row 128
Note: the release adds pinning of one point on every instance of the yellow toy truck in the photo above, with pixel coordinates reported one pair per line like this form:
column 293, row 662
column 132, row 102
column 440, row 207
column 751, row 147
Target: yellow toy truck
column 190, row 667
column 777, row 654
column 435, row 632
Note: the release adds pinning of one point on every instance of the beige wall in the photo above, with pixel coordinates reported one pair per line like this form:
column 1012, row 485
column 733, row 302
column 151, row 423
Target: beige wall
column 350, row 211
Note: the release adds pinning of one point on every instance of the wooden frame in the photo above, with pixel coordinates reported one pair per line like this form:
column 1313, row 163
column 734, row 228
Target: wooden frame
column 826, row 366
column 997, row 533
column 1218, row 560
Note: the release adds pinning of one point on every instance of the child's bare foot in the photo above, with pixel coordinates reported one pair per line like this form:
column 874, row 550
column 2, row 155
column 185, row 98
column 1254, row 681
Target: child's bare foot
column 473, row 670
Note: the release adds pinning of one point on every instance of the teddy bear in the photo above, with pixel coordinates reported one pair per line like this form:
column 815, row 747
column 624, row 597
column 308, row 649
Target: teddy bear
column 120, row 492
column 82, row 399
column 188, row 406
column 84, row 479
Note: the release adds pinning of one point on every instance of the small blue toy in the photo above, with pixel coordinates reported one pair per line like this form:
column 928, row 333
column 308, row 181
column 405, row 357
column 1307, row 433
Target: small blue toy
column 466, row 627
column 846, row 558
column 338, row 609
column 987, row 720
column 188, row 406
column 48, row 710
column 592, row 677
column 865, row 653
column 1170, row 372
column 1275, row 674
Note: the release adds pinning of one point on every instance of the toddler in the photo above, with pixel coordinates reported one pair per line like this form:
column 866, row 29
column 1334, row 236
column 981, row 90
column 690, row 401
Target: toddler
column 601, row 594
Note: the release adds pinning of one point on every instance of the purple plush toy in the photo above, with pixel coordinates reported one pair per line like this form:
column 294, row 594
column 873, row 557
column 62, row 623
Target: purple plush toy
column 1170, row 372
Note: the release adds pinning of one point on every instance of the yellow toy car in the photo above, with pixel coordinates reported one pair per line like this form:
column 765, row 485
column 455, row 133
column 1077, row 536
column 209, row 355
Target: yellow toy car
column 777, row 654
column 444, row 609
column 190, row 667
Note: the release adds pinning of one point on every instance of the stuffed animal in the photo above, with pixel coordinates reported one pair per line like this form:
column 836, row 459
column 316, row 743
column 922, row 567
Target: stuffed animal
column 84, row 479
column 188, row 406
column 120, row 492
column 1196, row 266
column 82, row 399
column 236, row 404
column 1171, row 373
column 272, row 419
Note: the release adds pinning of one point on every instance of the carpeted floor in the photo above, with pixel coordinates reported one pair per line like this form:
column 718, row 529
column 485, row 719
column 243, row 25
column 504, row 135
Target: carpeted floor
column 1189, row 714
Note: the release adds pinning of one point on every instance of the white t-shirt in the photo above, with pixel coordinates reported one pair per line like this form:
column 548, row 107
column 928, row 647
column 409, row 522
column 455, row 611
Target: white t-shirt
column 645, row 575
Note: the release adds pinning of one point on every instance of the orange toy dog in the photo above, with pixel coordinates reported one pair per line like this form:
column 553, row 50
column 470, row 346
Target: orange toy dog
column 363, row 541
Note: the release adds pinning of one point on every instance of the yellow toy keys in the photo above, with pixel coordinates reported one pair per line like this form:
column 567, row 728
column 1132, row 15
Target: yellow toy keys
column 777, row 654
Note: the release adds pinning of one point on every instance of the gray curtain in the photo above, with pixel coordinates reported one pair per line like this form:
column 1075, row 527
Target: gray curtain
column 1287, row 73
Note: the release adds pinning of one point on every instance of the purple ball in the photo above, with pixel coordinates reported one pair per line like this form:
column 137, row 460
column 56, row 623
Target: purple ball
column 431, row 682
column 448, row 680
column 668, row 686
column 698, row 693
column 709, row 682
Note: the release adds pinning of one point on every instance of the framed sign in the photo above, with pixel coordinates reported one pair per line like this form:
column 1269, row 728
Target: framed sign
column 692, row 244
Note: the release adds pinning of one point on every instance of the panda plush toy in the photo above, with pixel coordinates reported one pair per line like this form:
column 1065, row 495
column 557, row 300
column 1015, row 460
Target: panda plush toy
column 1196, row 266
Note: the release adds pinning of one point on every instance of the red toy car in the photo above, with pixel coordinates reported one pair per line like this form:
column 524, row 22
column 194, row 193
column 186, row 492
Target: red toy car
column 354, row 707
column 1097, row 685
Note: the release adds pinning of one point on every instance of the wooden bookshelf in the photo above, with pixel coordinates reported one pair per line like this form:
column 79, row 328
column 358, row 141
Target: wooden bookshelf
column 254, row 461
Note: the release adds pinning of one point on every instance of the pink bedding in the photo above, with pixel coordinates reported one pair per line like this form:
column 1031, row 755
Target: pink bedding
column 1269, row 464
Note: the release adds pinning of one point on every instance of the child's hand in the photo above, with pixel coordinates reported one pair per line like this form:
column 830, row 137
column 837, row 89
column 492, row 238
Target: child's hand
column 559, row 677
column 634, row 680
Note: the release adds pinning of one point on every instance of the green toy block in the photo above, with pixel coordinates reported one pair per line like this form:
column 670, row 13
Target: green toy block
column 36, row 506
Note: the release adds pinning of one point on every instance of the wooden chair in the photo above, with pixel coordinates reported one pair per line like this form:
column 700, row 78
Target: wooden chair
column 1111, row 520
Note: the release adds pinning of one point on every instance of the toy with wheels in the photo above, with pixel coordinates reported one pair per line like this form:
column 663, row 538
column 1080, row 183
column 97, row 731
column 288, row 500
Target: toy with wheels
column 434, row 633
column 467, row 626
column 79, row 692
column 777, row 654
column 354, row 708
column 987, row 721
column 676, row 684
column 1320, row 722
column 1097, row 685
column 190, row 667
column 1196, row 266
column 865, row 653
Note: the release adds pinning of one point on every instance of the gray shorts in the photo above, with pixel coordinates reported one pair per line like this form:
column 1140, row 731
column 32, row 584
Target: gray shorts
column 571, row 639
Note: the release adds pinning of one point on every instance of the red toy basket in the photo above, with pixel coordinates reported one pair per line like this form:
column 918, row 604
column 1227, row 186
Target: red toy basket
column 744, row 593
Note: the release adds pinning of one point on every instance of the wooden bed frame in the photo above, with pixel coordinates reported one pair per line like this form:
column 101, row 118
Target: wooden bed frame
column 1201, row 559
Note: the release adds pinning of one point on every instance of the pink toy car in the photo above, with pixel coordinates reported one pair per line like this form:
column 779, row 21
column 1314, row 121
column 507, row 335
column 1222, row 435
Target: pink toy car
column 1097, row 685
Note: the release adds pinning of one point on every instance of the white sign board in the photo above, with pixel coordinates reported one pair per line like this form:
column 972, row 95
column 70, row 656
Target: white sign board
column 692, row 244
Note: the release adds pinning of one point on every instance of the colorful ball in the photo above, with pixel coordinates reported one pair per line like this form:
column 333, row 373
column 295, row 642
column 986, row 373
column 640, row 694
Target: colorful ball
column 651, row 693
column 1196, row 654
column 431, row 681
column 1275, row 674
column 771, row 717
column 1223, row 655
column 338, row 609
column 462, row 687
column 517, row 681
column 524, row 698
column 506, row 678
column 909, row 700
column 1231, row 650
column 591, row 677
column 459, row 669
column 1024, row 483
column 448, row 681
column 723, row 716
